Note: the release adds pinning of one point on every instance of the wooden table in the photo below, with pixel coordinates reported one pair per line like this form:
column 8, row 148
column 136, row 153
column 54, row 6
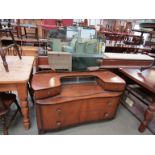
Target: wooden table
column 16, row 80
column 146, row 80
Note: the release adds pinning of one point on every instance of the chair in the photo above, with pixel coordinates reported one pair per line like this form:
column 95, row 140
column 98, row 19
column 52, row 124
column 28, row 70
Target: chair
column 6, row 100
column 42, row 64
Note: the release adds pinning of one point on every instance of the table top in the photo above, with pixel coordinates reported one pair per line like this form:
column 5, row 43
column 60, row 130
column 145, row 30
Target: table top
column 125, row 56
column 52, row 80
column 146, row 78
column 19, row 70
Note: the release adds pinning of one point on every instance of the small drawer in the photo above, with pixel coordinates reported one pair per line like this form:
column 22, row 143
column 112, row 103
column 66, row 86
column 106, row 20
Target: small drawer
column 46, row 93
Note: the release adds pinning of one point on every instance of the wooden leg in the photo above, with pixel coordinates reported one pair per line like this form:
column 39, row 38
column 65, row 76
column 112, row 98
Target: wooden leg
column 23, row 94
column 31, row 93
column 148, row 116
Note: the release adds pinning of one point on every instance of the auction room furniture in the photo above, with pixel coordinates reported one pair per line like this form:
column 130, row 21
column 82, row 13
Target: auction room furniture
column 17, row 80
column 114, row 61
column 24, row 51
column 60, row 60
column 42, row 63
column 30, row 51
column 27, row 30
column 146, row 80
column 67, row 99
column 127, row 49
column 3, row 50
column 47, row 25
column 117, row 59
column 6, row 100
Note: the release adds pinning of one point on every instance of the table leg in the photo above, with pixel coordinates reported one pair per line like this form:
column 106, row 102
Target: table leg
column 148, row 116
column 23, row 95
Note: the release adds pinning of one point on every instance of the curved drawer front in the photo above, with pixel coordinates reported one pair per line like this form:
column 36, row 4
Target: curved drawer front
column 56, row 116
column 40, row 94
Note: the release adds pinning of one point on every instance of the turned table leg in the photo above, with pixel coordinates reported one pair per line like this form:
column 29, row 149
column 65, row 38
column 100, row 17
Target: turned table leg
column 148, row 116
column 23, row 95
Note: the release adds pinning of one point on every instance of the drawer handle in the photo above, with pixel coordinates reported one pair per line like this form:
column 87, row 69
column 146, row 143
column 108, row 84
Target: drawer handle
column 48, row 92
column 59, row 111
column 58, row 123
column 106, row 114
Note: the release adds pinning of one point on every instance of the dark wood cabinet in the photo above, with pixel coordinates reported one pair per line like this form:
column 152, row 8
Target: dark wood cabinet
column 79, row 98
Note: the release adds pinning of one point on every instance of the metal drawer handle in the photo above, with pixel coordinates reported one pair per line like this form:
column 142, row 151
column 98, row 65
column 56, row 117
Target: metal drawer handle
column 106, row 114
column 59, row 111
column 58, row 123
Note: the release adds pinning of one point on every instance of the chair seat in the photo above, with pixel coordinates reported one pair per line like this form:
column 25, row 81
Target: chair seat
column 7, row 99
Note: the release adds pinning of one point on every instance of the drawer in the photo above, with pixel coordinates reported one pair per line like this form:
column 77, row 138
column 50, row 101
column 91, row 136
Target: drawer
column 46, row 93
column 100, row 108
column 50, row 116
column 57, row 116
